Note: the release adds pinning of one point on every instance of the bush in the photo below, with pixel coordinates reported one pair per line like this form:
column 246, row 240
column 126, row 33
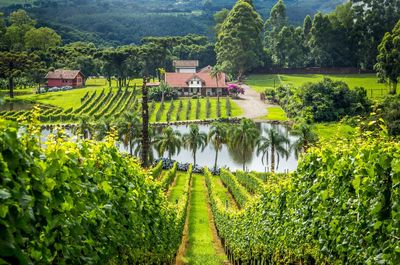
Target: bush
column 79, row 203
column 325, row 101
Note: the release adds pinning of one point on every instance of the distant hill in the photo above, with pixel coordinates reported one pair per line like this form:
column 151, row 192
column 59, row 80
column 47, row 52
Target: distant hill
column 115, row 22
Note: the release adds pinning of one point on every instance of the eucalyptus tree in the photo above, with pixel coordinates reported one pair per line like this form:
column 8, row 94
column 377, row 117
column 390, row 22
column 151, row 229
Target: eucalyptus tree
column 168, row 141
column 217, row 136
column 274, row 144
column 243, row 138
column 239, row 44
column 129, row 129
column 195, row 140
column 388, row 65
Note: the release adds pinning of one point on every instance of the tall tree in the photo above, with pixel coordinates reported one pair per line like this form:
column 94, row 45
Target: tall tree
column 276, row 24
column 388, row 65
column 274, row 144
column 13, row 65
column 84, row 127
column 129, row 129
column 243, row 138
column 41, row 39
column 217, row 136
column 145, row 125
column 305, row 137
column 239, row 44
column 195, row 140
column 20, row 24
column 168, row 141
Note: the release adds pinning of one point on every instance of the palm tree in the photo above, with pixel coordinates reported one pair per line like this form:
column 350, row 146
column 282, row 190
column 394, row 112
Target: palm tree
column 217, row 136
column 137, row 143
column 244, row 138
column 306, row 137
column 195, row 140
column 274, row 144
column 216, row 72
column 84, row 127
column 103, row 128
column 170, row 141
column 129, row 129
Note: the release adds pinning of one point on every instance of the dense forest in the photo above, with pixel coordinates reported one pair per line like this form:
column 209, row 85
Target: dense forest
column 117, row 22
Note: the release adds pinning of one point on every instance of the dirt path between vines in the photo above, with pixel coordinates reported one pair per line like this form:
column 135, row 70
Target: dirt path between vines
column 252, row 105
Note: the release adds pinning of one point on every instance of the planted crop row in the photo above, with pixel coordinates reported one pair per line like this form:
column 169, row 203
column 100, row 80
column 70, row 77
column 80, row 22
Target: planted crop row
column 102, row 103
column 157, row 170
column 123, row 98
column 168, row 177
column 248, row 180
column 115, row 216
column 108, row 105
column 86, row 103
column 239, row 193
column 93, row 103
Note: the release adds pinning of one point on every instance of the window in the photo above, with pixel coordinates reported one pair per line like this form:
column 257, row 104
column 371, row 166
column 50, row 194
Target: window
column 198, row 82
column 191, row 82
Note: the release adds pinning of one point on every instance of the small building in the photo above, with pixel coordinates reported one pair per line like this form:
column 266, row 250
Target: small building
column 185, row 66
column 61, row 77
column 189, row 84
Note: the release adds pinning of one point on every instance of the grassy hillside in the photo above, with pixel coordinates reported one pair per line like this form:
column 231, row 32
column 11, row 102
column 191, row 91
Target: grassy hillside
column 127, row 21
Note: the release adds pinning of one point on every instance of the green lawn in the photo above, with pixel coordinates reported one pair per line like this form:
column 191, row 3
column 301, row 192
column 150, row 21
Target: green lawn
column 368, row 81
column 201, row 248
column 333, row 131
column 276, row 114
column 72, row 98
column 177, row 190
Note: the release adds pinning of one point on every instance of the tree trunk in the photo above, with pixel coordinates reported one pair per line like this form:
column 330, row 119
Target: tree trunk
column 109, row 82
column 216, row 159
column 194, row 158
column 11, row 86
column 244, row 161
column 145, row 125
column 272, row 158
column 131, row 148
column 394, row 88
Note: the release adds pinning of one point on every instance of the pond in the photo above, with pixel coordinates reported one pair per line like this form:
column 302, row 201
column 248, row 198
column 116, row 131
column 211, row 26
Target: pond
column 16, row 105
column 230, row 158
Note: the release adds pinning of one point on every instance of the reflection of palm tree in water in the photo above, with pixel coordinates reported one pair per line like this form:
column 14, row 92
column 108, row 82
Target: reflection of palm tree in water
column 243, row 139
column 274, row 145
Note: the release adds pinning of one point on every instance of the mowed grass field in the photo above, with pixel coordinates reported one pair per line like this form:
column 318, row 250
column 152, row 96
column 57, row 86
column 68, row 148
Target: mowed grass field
column 368, row 81
column 72, row 98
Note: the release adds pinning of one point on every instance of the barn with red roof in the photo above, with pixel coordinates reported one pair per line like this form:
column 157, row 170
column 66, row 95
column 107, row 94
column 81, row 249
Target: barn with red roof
column 61, row 77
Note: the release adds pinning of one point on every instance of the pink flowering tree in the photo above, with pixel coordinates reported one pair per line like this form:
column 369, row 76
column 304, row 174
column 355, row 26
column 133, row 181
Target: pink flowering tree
column 235, row 90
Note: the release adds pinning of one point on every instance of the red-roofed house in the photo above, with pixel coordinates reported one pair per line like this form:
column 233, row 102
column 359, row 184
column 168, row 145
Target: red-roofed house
column 197, row 83
column 60, row 77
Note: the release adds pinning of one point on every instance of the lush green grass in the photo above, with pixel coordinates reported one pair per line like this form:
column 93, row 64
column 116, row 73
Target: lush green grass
column 276, row 114
column 201, row 248
column 368, row 81
column 333, row 131
column 177, row 190
column 235, row 110
column 72, row 98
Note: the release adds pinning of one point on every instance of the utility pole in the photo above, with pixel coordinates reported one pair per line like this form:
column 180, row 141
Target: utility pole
column 145, row 124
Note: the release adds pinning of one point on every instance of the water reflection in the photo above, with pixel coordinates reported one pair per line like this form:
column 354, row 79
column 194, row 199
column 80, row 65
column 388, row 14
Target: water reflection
column 16, row 106
column 230, row 157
